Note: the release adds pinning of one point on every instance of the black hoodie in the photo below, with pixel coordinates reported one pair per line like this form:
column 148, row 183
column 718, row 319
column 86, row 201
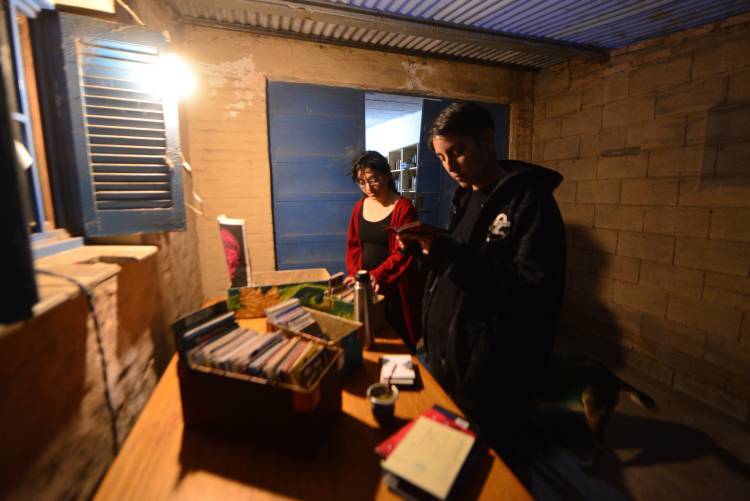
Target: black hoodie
column 497, row 297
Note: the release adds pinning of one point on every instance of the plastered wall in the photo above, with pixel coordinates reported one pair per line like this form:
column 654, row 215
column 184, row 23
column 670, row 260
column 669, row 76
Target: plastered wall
column 228, row 118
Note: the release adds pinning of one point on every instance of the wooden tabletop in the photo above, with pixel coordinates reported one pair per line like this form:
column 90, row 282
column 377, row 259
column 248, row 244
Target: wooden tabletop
column 162, row 460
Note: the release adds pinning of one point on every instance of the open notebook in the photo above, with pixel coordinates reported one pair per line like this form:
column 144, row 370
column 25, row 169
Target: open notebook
column 430, row 456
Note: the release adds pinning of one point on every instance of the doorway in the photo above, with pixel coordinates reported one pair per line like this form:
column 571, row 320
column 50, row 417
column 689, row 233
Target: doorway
column 316, row 131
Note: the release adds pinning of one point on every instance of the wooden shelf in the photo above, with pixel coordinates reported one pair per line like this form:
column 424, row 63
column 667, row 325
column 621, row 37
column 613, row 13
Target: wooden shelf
column 407, row 175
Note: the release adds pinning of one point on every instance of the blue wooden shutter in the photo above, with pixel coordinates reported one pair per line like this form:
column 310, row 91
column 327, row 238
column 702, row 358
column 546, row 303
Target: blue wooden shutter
column 124, row 136
column 435, row 187
column 315, row 133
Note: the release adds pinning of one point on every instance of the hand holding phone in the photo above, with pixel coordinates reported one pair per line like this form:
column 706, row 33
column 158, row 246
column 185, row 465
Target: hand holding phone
column 422, row 234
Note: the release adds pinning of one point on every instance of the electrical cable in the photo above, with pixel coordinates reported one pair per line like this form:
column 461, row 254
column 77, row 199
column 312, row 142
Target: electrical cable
column 89, row 292
column 130, row 11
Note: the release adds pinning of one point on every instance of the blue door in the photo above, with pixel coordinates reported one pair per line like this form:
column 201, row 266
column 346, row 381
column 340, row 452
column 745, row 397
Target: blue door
column 434, row 186
column 315, row 133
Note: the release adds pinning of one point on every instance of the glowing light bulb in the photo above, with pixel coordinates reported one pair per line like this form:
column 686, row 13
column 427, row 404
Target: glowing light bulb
column 177, row 76
column 169, row 75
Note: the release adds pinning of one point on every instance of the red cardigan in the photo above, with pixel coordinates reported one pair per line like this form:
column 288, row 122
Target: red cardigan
column 396, row 271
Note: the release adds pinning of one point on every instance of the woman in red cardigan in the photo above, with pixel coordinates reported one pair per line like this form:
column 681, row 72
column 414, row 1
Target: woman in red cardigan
column 370, row 247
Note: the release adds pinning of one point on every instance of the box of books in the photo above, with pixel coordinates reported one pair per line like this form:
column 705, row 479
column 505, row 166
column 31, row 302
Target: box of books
column 274, row 389
column 308, row 323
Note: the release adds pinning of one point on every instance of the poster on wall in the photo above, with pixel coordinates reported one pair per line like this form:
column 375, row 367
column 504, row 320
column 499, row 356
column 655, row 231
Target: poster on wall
column 235, row 251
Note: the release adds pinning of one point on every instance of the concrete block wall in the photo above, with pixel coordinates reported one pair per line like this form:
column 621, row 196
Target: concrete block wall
column 654, row 145
column 228, row 120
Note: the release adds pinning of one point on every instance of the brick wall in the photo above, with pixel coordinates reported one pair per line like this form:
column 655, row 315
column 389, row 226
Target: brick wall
column 228, row 122
column 654, row 145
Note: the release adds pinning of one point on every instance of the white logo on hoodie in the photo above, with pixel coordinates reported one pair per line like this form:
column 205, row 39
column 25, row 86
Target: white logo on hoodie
column 499, row 227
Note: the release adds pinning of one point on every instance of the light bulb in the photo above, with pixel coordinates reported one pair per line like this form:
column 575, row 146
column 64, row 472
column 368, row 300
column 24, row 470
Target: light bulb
column 178, row 76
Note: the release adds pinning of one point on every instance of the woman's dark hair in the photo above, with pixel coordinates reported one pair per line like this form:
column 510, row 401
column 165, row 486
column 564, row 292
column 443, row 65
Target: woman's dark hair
column 374, row 161
column 462, row 119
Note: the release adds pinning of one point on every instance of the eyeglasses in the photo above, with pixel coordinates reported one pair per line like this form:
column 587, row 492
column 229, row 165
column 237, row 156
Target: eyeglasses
column 374, row 180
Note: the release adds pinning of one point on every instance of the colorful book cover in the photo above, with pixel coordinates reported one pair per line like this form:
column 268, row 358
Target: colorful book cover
column 250, row 302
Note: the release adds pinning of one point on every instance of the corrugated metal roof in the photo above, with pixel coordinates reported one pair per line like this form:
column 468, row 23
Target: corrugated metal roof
column 604, row 23
column 527, row 33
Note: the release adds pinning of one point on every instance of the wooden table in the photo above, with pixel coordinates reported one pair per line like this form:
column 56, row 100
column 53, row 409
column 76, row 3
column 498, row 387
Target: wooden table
column 162, row 460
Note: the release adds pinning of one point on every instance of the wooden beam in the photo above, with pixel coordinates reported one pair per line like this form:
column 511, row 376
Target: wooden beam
column 351, row 43
column 328, row 13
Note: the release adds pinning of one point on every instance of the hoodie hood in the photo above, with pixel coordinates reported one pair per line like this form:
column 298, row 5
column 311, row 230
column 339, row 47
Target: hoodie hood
column 542, row 177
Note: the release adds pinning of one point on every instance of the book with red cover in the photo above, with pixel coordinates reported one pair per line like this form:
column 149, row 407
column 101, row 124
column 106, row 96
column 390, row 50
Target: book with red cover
column 436, row 413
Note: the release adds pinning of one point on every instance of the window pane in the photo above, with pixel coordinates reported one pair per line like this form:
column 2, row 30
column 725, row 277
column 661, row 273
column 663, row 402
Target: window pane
column 6, row 61
column 26, row 181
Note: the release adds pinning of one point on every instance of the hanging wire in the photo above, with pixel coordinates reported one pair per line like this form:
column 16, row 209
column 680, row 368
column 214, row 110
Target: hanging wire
column 89, row 292
column 130, row 11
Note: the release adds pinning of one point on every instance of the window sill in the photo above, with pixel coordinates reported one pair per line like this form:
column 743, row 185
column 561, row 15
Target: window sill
column 90, row 265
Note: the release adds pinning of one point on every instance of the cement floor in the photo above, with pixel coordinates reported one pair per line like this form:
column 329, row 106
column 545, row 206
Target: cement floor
column 685, row 451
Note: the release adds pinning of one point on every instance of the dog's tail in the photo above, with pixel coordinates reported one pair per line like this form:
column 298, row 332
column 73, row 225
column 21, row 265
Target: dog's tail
column 638, row 396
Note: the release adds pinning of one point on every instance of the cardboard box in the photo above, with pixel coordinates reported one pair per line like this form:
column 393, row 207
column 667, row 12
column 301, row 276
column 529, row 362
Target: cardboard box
column 263, row 412
column 343, row 333
column 310, row 286
column 272, row 287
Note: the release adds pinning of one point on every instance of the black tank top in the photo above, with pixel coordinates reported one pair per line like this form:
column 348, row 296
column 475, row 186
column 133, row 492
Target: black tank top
column 374, row 240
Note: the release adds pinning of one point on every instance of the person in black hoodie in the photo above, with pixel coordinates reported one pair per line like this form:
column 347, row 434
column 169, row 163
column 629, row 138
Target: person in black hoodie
column 493, row 296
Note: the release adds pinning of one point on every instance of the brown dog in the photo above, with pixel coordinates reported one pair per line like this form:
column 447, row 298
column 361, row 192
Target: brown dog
column 579, row 378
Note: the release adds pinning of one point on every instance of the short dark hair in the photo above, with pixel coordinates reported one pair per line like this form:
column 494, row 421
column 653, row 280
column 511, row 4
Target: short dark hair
column 462, row 119
column 376, row 162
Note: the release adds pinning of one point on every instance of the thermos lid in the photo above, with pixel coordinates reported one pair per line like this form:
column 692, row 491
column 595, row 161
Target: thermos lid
column 363, row 276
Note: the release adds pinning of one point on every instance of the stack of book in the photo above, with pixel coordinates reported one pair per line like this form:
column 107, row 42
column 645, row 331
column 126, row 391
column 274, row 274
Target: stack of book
column 426, row 457
column 291, row 315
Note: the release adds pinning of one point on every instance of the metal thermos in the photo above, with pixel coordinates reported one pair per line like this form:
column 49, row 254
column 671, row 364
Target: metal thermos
column 363, row 305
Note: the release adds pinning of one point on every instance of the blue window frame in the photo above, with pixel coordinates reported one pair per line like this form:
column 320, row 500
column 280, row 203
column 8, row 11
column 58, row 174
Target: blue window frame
column 19, row 106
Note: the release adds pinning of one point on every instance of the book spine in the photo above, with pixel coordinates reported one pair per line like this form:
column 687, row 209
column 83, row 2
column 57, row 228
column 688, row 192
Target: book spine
column 269, row 370
column 197, row 318
column 282, row 308
column 290, row 316
column 297, row 367
column 286, row 366
column 188, row 339
column 256, row 365
column 201, row 355
column 312, row 369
